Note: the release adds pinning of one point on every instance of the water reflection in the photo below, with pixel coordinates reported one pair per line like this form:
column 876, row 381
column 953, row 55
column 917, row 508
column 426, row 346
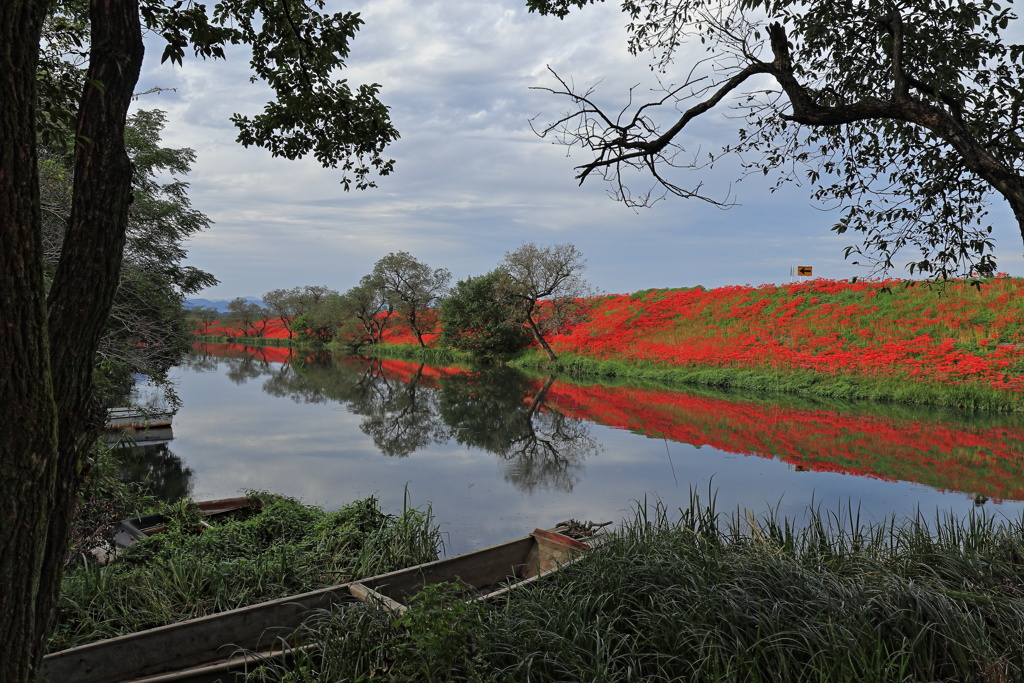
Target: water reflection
column 156, row 468
column 541, row 428
column 505, row 413
column 407, row 407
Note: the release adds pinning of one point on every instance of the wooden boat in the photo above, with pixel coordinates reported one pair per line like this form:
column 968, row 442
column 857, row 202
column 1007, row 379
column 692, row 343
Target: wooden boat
column 126, row 437
column 220, row 647
column 133, row 418
column 129, row 531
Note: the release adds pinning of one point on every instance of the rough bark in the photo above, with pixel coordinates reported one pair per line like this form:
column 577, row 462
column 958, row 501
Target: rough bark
column 539, row 336
column 47, row 347
column 28, row 440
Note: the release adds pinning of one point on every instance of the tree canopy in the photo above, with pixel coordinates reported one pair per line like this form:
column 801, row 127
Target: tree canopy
column 478, row 316
column 412, row 288
column 906, row 117
column 547, row 287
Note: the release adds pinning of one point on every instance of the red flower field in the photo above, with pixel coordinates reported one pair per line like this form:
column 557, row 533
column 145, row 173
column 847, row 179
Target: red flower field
column 947, row 333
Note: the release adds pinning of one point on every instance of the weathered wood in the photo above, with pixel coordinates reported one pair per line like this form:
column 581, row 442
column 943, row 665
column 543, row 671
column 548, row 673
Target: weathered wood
column 215, row 647
column 372, row 597
column 194, row 643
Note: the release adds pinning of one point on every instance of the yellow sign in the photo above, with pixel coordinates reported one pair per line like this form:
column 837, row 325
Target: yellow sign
column 803, row 270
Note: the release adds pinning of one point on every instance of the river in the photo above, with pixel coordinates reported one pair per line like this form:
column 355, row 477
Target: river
column 495, row 454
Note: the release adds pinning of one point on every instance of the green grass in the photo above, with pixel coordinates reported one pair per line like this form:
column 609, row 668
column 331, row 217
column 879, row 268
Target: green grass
column 294, row 343
column 708, row 597
column 284, row 549
column 780, row 381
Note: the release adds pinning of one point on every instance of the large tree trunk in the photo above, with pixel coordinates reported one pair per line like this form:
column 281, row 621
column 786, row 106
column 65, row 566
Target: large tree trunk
column 87, row 275
column 46, row 407
column 28, row 435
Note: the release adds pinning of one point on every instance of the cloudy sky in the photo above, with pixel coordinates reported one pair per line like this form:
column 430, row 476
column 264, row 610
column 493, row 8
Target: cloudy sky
column 472, row 181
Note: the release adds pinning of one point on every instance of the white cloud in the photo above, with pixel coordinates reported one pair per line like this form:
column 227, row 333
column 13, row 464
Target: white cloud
column 471, row 181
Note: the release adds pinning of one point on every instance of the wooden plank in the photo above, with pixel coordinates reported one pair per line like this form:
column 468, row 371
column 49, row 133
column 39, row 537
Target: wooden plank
column 372, row 597
column 475, row 569
column 187, row 644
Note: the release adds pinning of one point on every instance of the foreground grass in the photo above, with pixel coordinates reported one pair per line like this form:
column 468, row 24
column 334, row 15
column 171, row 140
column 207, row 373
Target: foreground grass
column 283, row 549
column 706, row 598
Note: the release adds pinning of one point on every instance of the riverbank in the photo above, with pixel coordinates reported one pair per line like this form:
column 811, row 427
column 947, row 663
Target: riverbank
column 693, row 595
column 951, row 344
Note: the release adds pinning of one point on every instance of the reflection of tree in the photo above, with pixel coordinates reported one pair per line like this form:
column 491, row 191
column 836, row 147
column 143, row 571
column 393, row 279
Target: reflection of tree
column 241, row 370
column 505, row 413
column 200, row 362
column 159, row 471
column 498, row 410
column 401, row 416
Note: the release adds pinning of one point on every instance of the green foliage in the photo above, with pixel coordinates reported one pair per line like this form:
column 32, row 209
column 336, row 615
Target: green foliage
column 904, row 117
column 103, row 501
column 478, row 317
column 256, row 555
column 706, row 596
column 322, row 318
column 147, row 332
column 436, row 635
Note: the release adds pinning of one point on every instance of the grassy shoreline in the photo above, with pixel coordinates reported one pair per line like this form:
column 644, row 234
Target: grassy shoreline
column 711, row 597
column 695, row 594
column 766, row 381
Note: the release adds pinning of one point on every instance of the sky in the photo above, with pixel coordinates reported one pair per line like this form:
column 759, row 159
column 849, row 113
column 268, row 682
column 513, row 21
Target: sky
column 472, row 181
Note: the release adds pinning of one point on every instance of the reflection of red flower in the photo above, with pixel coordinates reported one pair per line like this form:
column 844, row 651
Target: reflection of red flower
column 943, row 455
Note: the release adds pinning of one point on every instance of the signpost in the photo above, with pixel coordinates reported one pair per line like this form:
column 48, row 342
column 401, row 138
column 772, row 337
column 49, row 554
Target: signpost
column 800, row 271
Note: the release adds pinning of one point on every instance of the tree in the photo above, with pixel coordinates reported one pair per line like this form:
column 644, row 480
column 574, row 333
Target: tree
column 478, row 316
column 283, row 303
column 547, row 287
column 904, row 116
column 251, row 317
column 369, row 312
column 320, row 322
column 413, row 289
column 146, row 332
column 204, row 317
column 50, row 330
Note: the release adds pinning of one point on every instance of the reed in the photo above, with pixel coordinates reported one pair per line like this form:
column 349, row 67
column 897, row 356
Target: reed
column 703, row 596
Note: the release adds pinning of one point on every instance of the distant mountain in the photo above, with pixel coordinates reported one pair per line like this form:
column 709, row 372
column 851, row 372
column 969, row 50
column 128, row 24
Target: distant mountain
column 220, row 304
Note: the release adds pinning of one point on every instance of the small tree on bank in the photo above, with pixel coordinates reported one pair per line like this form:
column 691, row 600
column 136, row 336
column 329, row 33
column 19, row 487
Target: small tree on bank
column 250, row 316
column 547, row 288
column 480, row 317
column 412, row 288
column 370, row 311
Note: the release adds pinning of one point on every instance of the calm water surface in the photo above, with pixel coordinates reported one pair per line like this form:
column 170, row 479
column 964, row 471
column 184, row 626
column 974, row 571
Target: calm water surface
column 497, row 454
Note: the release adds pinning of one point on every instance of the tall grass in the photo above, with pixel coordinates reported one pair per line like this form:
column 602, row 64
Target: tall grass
column 710, row 597
column 284, row 549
